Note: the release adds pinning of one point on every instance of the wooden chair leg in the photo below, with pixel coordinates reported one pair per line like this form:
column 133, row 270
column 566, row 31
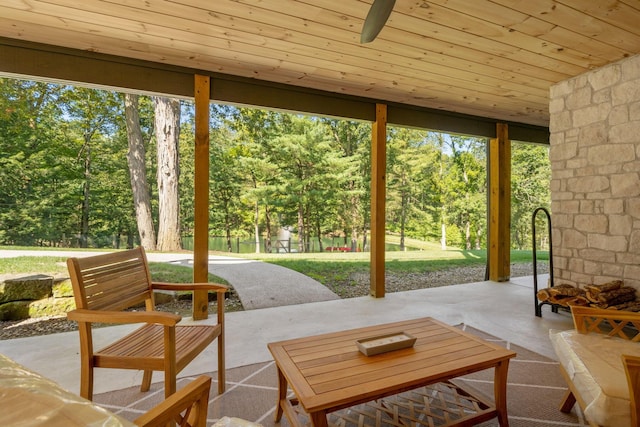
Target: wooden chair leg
column 86, row 381
column 567, row 402
column 146, row 381
column 221, row 366
column 169, row 384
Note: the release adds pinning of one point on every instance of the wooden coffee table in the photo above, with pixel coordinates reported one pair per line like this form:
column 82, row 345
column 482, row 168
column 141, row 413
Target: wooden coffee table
column 328, row 373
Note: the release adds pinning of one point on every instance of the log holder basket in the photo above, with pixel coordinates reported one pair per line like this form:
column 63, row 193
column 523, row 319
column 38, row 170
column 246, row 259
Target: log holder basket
column 538, row 304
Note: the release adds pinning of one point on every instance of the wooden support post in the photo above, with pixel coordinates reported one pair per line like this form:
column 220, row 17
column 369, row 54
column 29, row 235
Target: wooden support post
column 201, row 196
column 378, row 193
column 500, row 205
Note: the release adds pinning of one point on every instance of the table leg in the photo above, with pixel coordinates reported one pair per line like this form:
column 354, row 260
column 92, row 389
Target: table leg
column 318, row 419
column 282, row 394
column 500, row 391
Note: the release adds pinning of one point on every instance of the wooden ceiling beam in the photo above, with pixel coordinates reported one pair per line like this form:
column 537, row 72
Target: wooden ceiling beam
column 487, row 58
column 39, row 61
column 460, row 95
column 468, row 82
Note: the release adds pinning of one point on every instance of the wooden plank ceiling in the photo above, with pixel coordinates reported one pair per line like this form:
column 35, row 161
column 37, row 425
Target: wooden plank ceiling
column 493, row 59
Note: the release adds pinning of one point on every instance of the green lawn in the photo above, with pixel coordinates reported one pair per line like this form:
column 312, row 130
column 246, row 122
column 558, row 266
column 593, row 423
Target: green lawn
column 320, row 266
column 331, row 266
column 56, row 266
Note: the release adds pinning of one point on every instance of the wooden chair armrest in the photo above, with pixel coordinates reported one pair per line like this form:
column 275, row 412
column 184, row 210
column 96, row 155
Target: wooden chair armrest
column 165, row 286
column 105, row 316
column 193, row 400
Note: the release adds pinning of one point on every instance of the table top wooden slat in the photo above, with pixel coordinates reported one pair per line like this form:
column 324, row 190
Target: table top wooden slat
column 350, row 356
column 358, row 333
column 328, row 371
column 406, row 359
column 339, row 345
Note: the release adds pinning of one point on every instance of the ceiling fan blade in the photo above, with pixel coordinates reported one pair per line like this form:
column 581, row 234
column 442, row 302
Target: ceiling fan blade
column 376, row 18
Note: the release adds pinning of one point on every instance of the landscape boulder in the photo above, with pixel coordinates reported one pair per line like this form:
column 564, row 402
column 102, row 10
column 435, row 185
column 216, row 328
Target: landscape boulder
column 35, row 287
column 38, row 295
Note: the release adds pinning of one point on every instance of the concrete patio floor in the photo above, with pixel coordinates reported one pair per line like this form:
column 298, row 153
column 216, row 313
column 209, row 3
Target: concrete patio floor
column 503, row 309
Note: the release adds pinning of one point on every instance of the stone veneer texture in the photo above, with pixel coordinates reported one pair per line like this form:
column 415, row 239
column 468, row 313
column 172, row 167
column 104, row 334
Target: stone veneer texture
column 595, row 175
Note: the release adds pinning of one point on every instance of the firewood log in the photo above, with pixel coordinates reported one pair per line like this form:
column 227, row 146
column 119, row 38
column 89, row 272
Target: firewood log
column 579, row 301
column 561, row 300
column 569, row 290
column 617, row 296
column 543, row 294
column 606, row 296
column 591, row 297
column 605, row 287
column 561, row 290
column 634, row 306
column 619, row 300
column 612, row 303
column 626, row 306
column 562, row 286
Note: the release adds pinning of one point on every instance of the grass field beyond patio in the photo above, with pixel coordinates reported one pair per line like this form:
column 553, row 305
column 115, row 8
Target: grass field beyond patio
column 324, row 267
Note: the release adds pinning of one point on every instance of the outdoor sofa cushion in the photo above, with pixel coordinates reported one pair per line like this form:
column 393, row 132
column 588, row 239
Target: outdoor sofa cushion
column 594, row 365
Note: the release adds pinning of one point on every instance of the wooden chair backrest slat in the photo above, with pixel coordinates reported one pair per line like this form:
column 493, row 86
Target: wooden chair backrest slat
column 111, row 291
column 113, row 281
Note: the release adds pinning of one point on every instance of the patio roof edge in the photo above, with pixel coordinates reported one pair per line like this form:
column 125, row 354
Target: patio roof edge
column 24, row 59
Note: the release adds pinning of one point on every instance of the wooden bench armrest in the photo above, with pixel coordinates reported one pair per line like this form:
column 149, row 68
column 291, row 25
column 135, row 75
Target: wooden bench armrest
column 632, row 369
column 589, row 319
column 190, row 403
column 105, row 316
column 165, row 286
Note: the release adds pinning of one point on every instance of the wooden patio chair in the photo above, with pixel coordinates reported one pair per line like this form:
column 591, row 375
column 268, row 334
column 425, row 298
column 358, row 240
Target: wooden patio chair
column 104, row 286
column 186, row 408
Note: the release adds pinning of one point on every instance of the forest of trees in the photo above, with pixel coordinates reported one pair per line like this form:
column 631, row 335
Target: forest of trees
column 83, row 167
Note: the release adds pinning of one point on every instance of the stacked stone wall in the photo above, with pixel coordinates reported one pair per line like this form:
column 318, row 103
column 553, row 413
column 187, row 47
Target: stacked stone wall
column 595, row 175
column 38, row 295
column 41, row 295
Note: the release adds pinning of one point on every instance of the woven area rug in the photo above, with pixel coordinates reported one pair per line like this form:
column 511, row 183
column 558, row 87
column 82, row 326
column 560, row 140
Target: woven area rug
column 534, row 391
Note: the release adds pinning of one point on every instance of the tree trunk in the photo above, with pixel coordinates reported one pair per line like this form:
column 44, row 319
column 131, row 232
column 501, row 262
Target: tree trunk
column 301, row 230
column 443, row 216
column 403, row 217
column 354, row 219
column 364, row 239
column 467, row 235
column 86, row 191
column 267, row 238
column 319, row 232
column 167, row 125
column 257, row 227
column 138, row 174
column 227, row 229
column 354, row 239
